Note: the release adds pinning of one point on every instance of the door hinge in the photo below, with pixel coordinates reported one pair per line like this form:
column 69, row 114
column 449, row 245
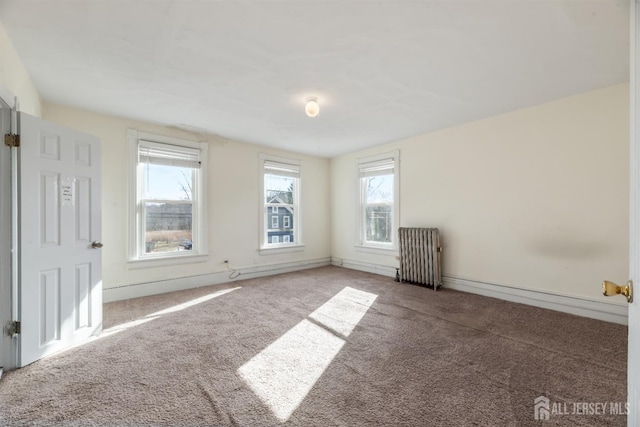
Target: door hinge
column 13, row 328
column 12, row 140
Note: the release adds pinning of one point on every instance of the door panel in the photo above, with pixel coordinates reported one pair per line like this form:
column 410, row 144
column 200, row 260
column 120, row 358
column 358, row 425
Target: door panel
column 83, row 296
column 83, row 210
column 50, row 306
column 60, row 283
column 49, row 210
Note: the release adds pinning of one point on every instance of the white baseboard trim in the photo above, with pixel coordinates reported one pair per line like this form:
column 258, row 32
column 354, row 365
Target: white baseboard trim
column 124, row 292
column 383, row 270
column 601, row 310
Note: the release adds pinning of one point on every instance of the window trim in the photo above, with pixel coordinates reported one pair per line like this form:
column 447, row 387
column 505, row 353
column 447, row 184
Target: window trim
column 266, row 247
column 361, row 243
column 135, row 252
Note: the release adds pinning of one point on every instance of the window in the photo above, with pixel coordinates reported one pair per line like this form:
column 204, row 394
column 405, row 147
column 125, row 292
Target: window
column 378, row 213
column 280, row 194
column 167, row 206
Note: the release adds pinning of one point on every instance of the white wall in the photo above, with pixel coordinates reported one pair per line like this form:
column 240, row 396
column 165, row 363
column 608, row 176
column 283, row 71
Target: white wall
column 14, row 77
column 233, row 200
column 534, row 199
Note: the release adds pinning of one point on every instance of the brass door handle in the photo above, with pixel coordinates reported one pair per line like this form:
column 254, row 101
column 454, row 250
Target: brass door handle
column 96, row 245
column 610, row 288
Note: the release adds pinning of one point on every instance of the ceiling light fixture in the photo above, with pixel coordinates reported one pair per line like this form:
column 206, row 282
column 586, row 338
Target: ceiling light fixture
column 312, row 108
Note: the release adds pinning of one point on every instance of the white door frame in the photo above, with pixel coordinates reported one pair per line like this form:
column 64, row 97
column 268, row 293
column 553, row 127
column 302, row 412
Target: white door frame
column 633, row 370
column 8, row 277
column 6, row 347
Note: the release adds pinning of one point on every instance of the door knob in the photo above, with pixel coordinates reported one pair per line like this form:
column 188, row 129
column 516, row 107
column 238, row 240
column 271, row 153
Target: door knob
column 96, row 245
column 610, row 288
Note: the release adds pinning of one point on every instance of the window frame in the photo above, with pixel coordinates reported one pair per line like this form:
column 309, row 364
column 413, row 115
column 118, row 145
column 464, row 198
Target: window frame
column 362, row 164
column 265, row 245
column 136, row 256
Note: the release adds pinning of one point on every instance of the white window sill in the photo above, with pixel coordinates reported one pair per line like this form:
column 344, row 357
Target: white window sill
column 381, row 250
column 281, row 249
column 134, row 264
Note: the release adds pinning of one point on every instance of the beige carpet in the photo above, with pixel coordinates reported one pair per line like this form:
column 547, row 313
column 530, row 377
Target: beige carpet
column 324, row 347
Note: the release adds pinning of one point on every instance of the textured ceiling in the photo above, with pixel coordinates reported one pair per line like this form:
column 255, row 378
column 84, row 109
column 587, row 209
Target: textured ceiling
column 381, row 70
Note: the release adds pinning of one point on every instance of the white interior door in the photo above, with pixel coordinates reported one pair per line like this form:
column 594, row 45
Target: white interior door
column 633, row 359
column 60, row 270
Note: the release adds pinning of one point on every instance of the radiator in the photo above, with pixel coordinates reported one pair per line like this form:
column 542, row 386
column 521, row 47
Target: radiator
column 420, row 256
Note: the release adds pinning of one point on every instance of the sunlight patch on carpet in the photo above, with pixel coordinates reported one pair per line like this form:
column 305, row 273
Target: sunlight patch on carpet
column 284, row 372
column 149, row 317
column 124, row 326
column 157, row 314
column 193, row 302
column 343, row 312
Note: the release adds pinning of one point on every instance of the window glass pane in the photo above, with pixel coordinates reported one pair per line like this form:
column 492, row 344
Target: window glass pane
column 167, row 182
column 378, row 223
column 278, row 189
column 279, row 228
column 168, row 227
column 379, row 189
